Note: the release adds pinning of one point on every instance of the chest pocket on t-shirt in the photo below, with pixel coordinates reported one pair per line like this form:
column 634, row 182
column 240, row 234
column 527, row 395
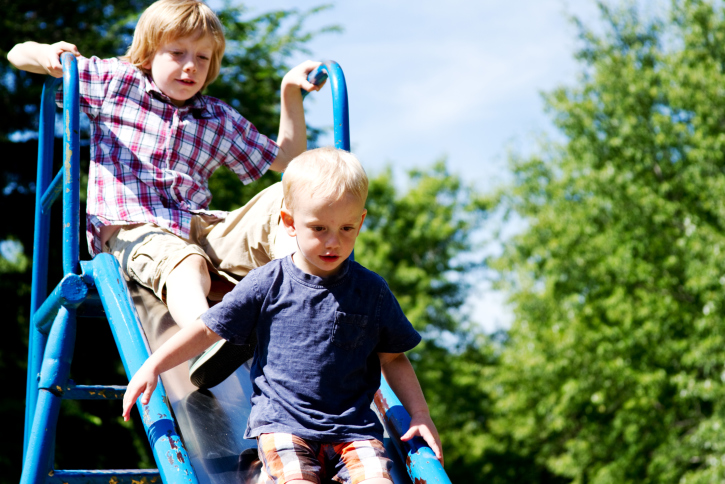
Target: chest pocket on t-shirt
column 349, row 330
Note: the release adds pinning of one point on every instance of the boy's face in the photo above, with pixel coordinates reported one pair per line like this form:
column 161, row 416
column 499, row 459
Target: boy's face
column 326, row 232
column 180, row 66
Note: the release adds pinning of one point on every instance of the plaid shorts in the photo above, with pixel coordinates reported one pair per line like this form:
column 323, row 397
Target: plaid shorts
column 287, row 457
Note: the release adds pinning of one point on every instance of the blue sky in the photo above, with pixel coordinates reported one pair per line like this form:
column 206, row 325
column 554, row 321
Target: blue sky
column 460, row 79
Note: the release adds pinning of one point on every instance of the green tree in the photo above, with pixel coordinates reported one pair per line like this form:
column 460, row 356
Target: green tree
column 98, row 27
column 613, row 370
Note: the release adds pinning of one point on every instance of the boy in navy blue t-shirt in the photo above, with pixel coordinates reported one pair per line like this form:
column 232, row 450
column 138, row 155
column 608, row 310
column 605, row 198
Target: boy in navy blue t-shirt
column 326, row 329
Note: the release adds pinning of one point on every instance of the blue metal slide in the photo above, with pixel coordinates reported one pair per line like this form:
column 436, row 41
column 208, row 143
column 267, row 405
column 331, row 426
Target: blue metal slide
column 195, row 436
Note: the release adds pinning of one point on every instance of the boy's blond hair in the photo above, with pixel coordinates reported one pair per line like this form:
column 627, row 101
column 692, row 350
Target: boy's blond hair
column 324, row 173
column 167, row 20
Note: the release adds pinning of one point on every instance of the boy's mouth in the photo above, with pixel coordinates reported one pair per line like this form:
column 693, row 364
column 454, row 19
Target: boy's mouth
column 329, row 258
column 188, row 82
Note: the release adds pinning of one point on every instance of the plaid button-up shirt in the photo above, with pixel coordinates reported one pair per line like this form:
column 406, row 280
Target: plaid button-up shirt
column 150, row 160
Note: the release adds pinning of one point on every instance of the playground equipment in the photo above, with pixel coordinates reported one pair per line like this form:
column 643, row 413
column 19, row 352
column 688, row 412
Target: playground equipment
column 195, row 435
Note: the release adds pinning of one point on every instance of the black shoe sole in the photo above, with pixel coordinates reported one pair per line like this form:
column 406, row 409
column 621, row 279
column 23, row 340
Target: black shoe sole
column 221, row 364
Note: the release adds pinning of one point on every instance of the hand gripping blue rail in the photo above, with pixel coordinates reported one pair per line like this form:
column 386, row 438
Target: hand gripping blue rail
column 53, row 319
column 419, row 459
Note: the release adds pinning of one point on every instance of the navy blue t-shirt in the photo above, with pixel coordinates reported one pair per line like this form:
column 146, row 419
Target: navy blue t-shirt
column 316, row 368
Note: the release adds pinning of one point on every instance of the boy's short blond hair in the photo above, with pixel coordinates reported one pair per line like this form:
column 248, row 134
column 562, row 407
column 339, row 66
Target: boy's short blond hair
column 167, row 20
column 324, row 173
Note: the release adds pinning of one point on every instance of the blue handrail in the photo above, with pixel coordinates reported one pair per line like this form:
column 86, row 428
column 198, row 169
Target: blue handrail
column 39, row 287
column 341, row 117
column 71, row 166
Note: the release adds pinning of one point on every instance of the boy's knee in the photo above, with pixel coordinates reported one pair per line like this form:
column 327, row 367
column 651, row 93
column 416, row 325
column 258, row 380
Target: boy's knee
column 192, row 263
column 192, row 270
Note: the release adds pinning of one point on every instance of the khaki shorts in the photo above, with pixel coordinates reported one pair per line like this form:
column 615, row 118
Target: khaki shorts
column 247, row 238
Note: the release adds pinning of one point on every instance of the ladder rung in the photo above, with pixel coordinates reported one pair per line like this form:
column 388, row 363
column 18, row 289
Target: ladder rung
column 117, row 476
column 93, row 392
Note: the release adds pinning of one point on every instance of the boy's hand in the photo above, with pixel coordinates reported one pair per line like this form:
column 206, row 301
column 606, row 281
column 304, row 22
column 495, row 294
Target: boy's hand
column 50, row 57
column 297, row 77
column 144, row 381
column 422, row 425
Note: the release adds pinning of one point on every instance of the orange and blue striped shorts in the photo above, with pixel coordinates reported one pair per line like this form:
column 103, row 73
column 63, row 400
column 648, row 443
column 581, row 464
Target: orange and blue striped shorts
column 287, row 457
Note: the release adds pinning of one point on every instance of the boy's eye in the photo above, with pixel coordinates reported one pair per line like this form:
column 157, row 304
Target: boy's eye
column 318, row 229
column 347, row 229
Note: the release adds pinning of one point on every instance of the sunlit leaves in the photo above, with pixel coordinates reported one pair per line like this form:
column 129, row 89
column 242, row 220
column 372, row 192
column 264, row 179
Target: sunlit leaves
column 613, row 370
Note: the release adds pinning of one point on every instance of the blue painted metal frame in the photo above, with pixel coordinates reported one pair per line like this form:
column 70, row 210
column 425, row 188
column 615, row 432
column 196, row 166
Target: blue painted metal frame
column 53, row 318
column 420, row 461
column 341, row 116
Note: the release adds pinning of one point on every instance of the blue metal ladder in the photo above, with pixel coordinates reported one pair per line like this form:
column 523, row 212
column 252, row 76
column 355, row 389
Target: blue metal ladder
column 86, row 285
column 99, row 286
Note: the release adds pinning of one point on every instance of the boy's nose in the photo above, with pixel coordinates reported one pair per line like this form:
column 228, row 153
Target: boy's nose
column 190, row 65
column 332, row 241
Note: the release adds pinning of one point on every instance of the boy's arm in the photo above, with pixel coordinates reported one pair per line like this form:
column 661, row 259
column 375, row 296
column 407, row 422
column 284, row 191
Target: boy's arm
column 292, row 137
column 401, row 377
column 41, row 58
column 187, row 343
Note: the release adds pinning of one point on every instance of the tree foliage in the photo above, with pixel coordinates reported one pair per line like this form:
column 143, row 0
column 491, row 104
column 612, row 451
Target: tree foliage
column 417, row 237
column 613, row 371
column 98, row 27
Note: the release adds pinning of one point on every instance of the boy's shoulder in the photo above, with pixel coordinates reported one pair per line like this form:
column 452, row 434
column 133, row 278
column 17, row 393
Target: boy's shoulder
column 362, row 273
column 267, row 272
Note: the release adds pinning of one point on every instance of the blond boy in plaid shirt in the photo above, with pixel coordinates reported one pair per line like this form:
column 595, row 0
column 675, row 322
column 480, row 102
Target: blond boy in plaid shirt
column 155, row 141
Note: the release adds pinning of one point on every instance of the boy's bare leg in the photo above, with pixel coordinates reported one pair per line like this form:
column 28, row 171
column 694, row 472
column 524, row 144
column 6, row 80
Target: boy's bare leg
column 187, row 287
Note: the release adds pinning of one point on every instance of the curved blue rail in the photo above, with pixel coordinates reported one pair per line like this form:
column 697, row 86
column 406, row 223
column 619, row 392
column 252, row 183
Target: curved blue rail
column 341, row 117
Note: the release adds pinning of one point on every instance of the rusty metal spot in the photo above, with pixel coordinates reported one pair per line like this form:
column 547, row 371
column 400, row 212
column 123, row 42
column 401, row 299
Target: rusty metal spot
column 146, row 416
column 381, row 402
column 172, row 444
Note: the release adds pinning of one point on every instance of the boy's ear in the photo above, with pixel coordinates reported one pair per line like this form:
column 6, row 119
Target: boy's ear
column 289, row 222
column 365, row 212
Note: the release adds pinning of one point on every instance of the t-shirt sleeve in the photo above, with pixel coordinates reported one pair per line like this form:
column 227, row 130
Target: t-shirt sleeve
column 236, row 316
column 251, row 153
column 94, row 77
column 397, row 335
